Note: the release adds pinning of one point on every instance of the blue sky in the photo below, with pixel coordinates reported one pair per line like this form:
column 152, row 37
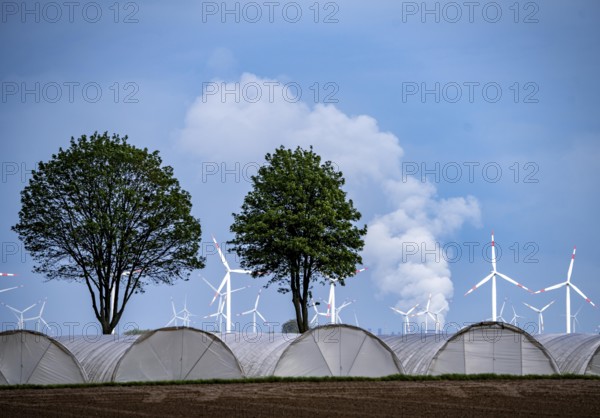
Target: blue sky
column 399, row 101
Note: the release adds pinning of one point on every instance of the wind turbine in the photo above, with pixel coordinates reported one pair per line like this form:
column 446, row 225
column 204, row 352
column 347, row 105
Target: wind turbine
column 331, row 309
column 175, row 315
column 315, row 319
column 575, row 320
column 255, row 312
column 437, row 321
column 221, row 295
column 569, row 285
column 39, row 318
column 540, row 315
column 500, row 317
column 183, row 315
column 495, row 273
column 20, row 317
column 227, row 283
column 515, row 317
column 405, row 314
column 427, row 313
column 338, row 310
column 186, row 314
column 219, row 315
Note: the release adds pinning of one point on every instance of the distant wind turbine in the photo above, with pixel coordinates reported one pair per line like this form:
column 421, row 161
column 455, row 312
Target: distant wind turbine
column 540, row 315
column 568, row 285
column 39, row 318
column 19, row 314
column 227, row 284
column 405, row 314
column 515, row 317
column 495, row 273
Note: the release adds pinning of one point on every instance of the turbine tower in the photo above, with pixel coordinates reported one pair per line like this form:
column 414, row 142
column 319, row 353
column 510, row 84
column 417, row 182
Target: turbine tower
column 331, row 309
column 219, row 315
column 495, row 273
column 568, row 285
column 227, row 284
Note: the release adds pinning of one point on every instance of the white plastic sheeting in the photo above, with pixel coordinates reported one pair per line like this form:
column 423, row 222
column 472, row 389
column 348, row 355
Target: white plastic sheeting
column 487, row 347
column 415, row 351
column 28, row 357
column 163, row 354
column 258, row 353
column 98, row 354
column 331, row 350
column 574, row 353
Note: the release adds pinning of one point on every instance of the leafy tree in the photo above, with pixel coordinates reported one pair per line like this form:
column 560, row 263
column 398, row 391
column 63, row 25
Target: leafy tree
column 290, row 327
column 106, row 213
column 297, row 225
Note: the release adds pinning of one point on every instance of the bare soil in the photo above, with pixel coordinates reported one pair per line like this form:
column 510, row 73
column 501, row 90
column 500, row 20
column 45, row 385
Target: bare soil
column 560, row 398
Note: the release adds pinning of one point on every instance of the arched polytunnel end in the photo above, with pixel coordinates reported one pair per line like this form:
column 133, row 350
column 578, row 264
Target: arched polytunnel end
column 29, row 357
column 493, row 347
column 338, row 350
column 485, row 347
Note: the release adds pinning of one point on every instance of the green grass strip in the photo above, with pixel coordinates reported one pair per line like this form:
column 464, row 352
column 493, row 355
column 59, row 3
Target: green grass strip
column 275, row 379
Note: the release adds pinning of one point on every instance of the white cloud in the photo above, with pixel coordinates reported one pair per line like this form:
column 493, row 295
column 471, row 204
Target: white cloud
column 227, row 128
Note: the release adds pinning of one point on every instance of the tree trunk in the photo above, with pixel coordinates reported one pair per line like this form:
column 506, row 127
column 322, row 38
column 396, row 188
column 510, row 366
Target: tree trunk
column 300, row 319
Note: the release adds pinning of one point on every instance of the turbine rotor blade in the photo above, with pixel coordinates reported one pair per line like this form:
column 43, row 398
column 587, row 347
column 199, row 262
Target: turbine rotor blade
column 531, row 307
column 547, row 306
column 571, row 265
column 223, row 260
column 582, row 295
column 508, row 279
column 485, row 279
column 556, row 286
column 241, row 271
column 210, row 285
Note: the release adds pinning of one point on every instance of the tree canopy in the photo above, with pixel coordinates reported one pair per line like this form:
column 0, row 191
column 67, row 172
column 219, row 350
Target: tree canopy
column 107, row 214
column 297, row 226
